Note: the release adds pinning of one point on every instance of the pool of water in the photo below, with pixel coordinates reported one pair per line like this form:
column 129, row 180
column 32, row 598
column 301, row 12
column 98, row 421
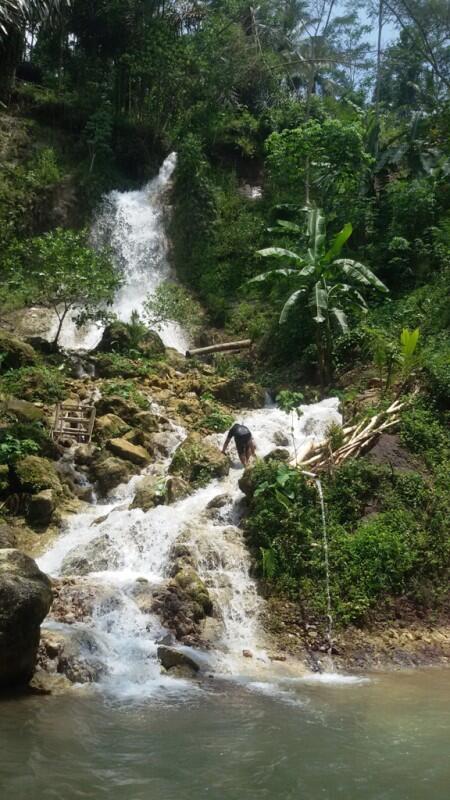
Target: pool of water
column 386, row 739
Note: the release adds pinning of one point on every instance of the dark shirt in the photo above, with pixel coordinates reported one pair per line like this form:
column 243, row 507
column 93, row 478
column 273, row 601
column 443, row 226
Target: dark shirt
column 239, row 432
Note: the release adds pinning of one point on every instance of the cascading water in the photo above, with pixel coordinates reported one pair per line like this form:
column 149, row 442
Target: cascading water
column 132, row 223
column 121, row 552
column 327, row 567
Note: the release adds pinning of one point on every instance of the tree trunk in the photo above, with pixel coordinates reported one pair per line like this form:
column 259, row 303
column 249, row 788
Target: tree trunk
column 219, row 348
column 10, row 56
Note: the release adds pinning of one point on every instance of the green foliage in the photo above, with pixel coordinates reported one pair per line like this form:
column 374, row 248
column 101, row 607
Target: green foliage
column 171, row 302
column 66, row 274
column 318, row 277
column 43, row 383
column 12, row 449
column 289, row 401
column 401, row 550
column 125, row 389
column 213, row 418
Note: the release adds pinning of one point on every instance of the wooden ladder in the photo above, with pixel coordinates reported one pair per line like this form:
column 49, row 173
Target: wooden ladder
column 74, row 421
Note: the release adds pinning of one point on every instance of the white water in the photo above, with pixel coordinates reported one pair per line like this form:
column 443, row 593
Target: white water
column 133, row 224
column 138, row 546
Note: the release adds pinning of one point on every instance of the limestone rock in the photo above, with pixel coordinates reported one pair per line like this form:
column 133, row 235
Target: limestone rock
column 128, row 451
column 170, row 657
column 247, row 483
column 219, row 501
column 115, row 404
column 110, row 472
column 197, row 461
column 36, row 473
column 84, row 454
column 7, row 536
column 74, row 655
column 240, row 393
column 149, row 493
column 41, row 507
column 25, row 411
column 191, row 583
column 25, row 599
column 147, row 421
column 98, row 555
column 176, row 489
column 109, row 425
column 15, row 352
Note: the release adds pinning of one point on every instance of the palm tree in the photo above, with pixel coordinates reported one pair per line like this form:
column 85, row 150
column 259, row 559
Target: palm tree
column 318, row 277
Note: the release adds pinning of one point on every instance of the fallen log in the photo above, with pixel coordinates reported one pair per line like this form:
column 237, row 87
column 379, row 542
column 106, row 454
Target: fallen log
column 222, row 347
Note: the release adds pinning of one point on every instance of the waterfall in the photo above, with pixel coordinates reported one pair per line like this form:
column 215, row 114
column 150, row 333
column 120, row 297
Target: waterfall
column 133, row 225
column 327, row 567
column 128, row 549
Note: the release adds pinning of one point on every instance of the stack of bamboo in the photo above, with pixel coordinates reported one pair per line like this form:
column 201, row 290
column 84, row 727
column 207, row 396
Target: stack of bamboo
column 320, row 455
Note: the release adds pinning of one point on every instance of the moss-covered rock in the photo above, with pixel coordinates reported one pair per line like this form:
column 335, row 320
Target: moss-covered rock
column 198, row 461
column 35, row 474
column 120, row 337
column 41, row 507
column 146, row 421
column 149, row 493
column 123, row 408
column 7, row 536
column 23, row 410
column 14, row 352
column 110, row 425
column 188, row 580
column 176, row 489
column 236, row 392
column 110, row 472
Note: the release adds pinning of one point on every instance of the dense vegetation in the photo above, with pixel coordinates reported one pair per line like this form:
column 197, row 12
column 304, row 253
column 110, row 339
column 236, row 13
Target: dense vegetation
column 285, row 118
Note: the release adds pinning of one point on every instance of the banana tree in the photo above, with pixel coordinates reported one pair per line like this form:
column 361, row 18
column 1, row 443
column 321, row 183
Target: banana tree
column 324, row 284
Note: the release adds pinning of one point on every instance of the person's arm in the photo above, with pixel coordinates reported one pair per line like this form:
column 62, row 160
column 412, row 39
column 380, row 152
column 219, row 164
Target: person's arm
column 227, row 440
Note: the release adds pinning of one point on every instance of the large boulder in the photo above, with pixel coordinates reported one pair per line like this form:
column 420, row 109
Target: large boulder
column 170, row 657
column 15, row 353
column 198, row 461
column 188, row 579
column 41, row 507
column 73, row 655
column 109, row 425
column 120, row 337
column 110, row 472
column 147, row 421
column 236, row 392
column 176, row 489
column 35, row 474
column 23, row 410
column 25, row 599
column 129, row 452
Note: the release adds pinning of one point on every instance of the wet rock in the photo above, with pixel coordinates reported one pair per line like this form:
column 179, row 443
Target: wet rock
column 247, row 654
column 98, row 555
column 281, row 439
column 15, row 352
column 110, row 472
column 7, row 536
column 129, row 452
column 198, row 461
column 41, row 507
column 25, row 599
column 219, row 501
column 110, row 425
column 163, row 443
column 35, row 474
column 189, row 580
column 149, row 493
column 170, row 657
column 75, row 599
column 247, row 483
column 85, row 454
column 176, row 489
column 73, row 654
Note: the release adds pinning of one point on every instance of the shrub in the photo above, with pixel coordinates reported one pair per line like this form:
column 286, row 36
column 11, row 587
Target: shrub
column 34, row 383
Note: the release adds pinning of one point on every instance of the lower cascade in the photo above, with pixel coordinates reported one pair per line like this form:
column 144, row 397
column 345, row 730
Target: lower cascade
column 122, row 557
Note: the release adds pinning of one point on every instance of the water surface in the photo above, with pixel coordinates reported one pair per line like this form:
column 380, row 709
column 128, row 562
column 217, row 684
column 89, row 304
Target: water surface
column 382, row 740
